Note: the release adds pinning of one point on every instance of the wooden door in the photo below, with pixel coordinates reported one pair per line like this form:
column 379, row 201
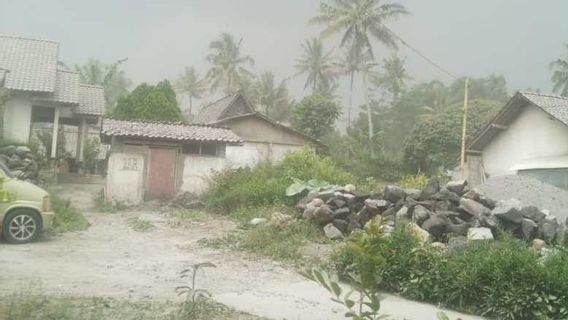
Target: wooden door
column 161, row 172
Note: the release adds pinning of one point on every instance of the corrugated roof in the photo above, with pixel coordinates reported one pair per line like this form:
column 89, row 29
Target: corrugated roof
column 556, row 106
column 32, row 63
column 91, row 100
column 167, row 131
column 214, row 111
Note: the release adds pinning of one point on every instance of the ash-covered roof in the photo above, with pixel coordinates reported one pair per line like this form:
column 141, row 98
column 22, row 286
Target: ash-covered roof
column 555, row 106
column 223, row 108
column 91, row 100
column 31, row 63
column 167, row 131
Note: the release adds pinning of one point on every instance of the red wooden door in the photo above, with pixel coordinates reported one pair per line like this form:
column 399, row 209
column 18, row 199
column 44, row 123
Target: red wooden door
column 161, row 175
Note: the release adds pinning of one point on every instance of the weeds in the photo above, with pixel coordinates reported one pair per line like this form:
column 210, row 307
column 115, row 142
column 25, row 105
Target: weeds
column 191, row 292
column 190, row 215
column 139, row 224
column 67, row 217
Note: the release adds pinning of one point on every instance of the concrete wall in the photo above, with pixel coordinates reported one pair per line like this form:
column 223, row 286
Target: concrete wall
column 252, row 152
column 534, row 134
column 197, row 170
column 258, row 130
column 126, row 176
column 17, row 118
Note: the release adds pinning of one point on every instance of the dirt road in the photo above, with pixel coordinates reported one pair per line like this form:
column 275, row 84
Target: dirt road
column 110, row 259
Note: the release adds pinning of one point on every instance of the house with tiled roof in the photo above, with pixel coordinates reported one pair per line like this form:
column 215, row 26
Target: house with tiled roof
column 42, row 94
column 160, row 159
column 264, row 138
column 528, row 137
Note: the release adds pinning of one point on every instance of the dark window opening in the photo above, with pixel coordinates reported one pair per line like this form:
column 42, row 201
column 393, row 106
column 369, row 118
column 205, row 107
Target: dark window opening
column 204, row 149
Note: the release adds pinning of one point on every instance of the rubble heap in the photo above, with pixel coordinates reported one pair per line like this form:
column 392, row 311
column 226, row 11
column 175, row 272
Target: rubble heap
column 436, row 213
column 20, row 161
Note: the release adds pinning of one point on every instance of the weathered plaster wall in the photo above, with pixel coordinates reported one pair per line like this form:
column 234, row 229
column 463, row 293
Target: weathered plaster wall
column 17, row 118
column 534, row 134
column 126, row 175
column 251, row 153
column 258, row 130
column 197, row 170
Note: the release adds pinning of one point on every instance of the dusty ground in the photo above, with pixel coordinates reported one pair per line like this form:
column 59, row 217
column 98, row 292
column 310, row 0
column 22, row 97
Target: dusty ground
column 110, row 259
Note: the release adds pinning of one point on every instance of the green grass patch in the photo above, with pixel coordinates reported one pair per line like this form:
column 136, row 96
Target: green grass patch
column 276, row 241
column 37, row 306
column 190, row 215
column 67, row 216
column 139, row 224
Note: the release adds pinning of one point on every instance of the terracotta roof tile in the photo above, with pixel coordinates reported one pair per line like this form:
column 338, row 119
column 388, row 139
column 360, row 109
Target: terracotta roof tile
column 167, row 131
column 91, row 100
column 556, row 106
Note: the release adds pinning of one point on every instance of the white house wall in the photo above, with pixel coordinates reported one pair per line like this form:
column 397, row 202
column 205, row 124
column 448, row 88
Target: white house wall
column 251, row 153
column 197, row 171
column 17, row 119
column 534, row 134
column 125, row 178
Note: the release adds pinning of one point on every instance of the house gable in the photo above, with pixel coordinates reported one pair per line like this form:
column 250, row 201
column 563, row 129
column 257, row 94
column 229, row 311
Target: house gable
column 531, row 134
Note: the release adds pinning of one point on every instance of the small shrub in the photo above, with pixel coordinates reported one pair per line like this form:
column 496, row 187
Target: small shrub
column 190, row 215
column 504, row 280
column 416, row 181
column 266, row 183
column 140, row 225
column 67, row 217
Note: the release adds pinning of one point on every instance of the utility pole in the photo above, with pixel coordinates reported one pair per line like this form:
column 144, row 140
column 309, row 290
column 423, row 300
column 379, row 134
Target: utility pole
column 464, row 126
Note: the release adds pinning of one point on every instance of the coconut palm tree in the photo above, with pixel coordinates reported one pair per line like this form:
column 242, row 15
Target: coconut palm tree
column 316, row 63
column 560, row 75
column 273, row 97
column 108, row 76
column 393, row 78
column 190, row 83
column 228, row 66
column 359, row 21
column 349, row 64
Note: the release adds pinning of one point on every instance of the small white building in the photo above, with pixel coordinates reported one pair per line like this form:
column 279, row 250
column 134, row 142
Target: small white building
column 157, row 160
column 44, row 95
column 529, row 137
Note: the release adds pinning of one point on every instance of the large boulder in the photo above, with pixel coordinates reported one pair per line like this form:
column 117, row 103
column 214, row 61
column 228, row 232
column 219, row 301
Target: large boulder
column 473, row 207
column 548, row 229
column 437, row 224
column 474, row 234
column 420, row 214
column 341, row 225
column 528, row 228
column 402, row 216
column 341, row 213
column 509, row 211
column 533, row 213
column 418, row 233
column 458, row 229
column 394, row 193
column 445, row 194
column 322, row 215
column 432, row 187
column 332, row 232
column 457, row 186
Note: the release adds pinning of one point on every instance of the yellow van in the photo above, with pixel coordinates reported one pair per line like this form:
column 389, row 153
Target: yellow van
column 25, row 209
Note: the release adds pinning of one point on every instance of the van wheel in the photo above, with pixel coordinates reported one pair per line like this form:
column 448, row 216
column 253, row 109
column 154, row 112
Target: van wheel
column 21, row 226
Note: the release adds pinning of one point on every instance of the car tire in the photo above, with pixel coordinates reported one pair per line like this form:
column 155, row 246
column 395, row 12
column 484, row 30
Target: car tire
column 21, row 226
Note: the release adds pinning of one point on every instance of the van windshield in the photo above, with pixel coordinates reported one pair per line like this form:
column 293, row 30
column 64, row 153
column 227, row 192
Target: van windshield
column 5, row 171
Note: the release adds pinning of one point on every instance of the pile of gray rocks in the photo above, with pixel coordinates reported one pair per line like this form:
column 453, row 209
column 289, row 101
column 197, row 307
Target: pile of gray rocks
column 452, row 212
column 20, row 161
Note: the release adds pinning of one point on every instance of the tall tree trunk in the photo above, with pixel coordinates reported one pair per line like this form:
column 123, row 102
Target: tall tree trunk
column 350, row 100
column 369, row 116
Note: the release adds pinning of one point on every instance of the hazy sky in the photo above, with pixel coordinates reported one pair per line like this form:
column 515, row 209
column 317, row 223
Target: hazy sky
column 516, row 38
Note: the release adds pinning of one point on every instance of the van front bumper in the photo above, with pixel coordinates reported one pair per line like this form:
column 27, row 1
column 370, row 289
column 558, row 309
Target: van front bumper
column 47, row 219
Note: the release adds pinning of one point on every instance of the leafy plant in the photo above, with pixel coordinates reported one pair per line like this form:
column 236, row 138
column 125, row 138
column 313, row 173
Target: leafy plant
column 191, row 292
column 67, row 216
column 315, row 116
column 300, row 186
column 366, row 307
column 139, row 224
column 417, row 181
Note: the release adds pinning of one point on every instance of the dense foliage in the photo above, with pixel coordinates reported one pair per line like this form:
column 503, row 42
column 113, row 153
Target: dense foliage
column 504, row 280
column 436, row 140
column 149, row 102
column 113, row 80
column 315, row 116
column 266, row 183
